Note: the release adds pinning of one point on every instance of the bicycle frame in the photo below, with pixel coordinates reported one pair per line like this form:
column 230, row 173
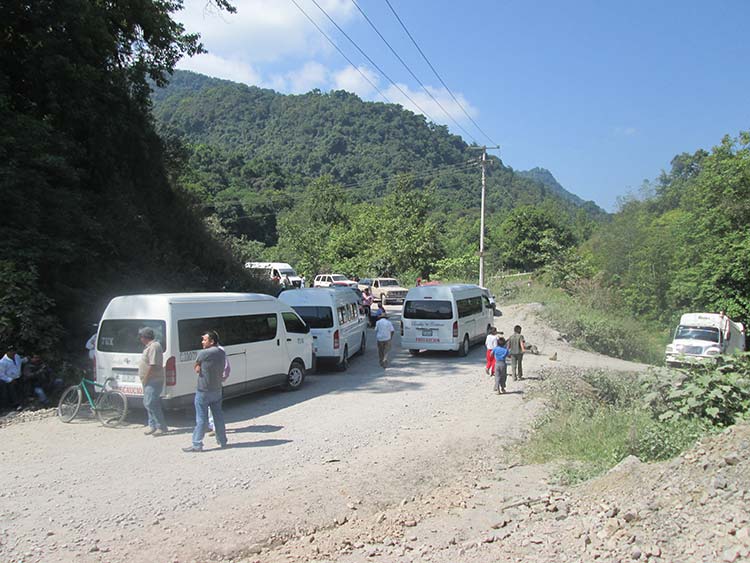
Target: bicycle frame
column 96, row 385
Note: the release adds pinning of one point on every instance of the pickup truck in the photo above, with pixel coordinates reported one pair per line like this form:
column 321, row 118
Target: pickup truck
column 385, row 290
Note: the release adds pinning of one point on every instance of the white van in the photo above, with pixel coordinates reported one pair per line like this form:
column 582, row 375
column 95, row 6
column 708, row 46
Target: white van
column 703, row 337
column 445, row 317
column 335, row 320
column 265, row 340
column 278, row 271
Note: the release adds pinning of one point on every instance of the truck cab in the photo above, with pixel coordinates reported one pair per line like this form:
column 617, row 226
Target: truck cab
column 704, row 338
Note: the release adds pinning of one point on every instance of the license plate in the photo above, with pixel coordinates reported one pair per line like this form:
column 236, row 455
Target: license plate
column 426, row 332
column 126, row 377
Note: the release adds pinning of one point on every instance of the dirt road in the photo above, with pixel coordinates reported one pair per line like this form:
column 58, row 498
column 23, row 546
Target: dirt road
column 366, row 446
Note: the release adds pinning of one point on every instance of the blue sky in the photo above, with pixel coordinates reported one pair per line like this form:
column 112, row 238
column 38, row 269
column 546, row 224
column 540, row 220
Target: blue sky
column 603, row 94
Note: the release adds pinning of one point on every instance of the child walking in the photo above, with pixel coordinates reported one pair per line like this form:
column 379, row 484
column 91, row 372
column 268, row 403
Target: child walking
column 500, row 354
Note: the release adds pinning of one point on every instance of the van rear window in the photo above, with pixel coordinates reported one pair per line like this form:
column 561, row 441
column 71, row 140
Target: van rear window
column 428, row 310
column 121, row 335
column 316, row 317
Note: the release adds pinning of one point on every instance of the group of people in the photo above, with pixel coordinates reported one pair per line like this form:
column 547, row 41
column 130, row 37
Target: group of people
column 500, row 352
column 212, row 368
column 23, row 379
column 372, row 313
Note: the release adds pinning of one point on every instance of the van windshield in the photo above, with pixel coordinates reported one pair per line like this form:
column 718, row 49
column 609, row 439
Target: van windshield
column 707, row 334
column 121, row 335
column 429, row 310
column 316, row 317
column 289, row 272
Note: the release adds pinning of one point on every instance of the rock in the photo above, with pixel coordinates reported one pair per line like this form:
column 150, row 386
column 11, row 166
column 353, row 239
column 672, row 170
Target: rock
column 732, row 458
column 629, row 516
column 730, row 555
column 636, row 553
column 254, row 549
column 410, row 523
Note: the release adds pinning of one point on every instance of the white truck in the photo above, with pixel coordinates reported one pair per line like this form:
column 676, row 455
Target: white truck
column 280, row 272
column 703, row 337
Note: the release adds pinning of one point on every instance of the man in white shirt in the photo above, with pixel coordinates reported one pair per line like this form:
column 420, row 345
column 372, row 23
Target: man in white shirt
column 384, row 334
column 10, row 372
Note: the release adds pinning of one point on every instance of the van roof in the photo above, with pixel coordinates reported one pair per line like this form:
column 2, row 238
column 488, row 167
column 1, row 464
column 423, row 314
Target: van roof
column 442, row 291
column 276, row 265
column 316, row 295
column 207, row 297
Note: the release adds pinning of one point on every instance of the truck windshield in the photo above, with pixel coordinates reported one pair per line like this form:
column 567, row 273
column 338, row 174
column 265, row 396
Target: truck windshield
column 316, row 317
column 387, row 283
column 429, row 310
column 707, row 334
column 121, row 335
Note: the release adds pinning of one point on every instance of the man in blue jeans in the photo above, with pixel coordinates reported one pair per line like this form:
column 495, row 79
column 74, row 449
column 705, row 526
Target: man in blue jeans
column 209, row 365
column 151, row 372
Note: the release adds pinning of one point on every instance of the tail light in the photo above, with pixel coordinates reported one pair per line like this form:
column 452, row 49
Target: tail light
column 170, row 371
column 455, row 329
column 336, row 341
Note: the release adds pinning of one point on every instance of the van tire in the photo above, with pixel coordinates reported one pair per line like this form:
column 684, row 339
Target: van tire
column 295, row 376
column 463, row 351
column 344, row 363
column 363, row 345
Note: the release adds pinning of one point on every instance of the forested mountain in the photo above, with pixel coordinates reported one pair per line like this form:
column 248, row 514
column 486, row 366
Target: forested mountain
column 89, row 211
column 252, row 155
column 545, row 177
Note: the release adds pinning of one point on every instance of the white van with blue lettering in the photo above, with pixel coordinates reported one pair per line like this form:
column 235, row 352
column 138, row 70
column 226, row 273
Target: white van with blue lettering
column 266, row 342
column 445, row 317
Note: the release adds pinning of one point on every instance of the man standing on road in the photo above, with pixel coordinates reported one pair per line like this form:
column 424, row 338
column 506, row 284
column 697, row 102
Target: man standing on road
column 151, row 372
column 209, row 365
column 384, row 335
column 516, row 348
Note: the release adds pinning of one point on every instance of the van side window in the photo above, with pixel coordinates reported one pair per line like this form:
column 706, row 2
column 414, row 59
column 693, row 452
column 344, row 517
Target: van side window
column 342, row 315
column 469, row 306
column 294, row 324
column 486, row 302
column 232, row 330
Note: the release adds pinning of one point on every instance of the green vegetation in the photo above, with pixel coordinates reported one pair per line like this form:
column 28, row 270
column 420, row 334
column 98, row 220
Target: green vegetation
column 595, row 419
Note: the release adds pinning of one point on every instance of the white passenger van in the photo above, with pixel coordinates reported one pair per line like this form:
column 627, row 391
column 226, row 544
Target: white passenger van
column 277, row 271
column 445, row 317
column 265, row 340
column 703, row 337
column 335, row 320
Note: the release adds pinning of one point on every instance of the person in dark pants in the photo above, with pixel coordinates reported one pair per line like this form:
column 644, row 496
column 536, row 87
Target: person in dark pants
column 209, row 365
column 516, row 348
column 500, row 352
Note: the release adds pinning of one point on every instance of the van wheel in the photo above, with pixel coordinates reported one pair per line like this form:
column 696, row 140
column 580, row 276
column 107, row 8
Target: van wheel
column 464, row 349
column 363, row 345
column 344, row 363
column 295, row 376
column 413, row 351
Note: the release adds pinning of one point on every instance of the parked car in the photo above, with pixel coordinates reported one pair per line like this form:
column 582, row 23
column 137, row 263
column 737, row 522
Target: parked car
column 266, row 342
column 335, row 321
column 328, row 280
column 387, row 290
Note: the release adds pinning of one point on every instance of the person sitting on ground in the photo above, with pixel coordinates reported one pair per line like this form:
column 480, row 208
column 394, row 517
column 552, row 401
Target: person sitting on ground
column 38, row 378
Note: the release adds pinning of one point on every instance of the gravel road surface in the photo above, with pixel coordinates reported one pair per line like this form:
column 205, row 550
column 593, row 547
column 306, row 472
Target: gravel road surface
column 347, row 446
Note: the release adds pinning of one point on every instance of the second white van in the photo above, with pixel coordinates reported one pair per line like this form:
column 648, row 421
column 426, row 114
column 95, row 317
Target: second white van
column 266, row 342
column 335, row 320
column 445, row 317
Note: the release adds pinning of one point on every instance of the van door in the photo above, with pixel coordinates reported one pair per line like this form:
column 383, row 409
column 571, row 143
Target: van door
column 297, row 339
column 266, row 356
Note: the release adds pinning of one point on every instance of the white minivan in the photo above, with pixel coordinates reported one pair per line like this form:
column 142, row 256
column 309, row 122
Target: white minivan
column 335, row 320
column 277, row 271
column 266, row 342
column 445, row 317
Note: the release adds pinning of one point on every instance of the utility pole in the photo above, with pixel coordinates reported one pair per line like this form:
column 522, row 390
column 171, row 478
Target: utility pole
column 481, row 221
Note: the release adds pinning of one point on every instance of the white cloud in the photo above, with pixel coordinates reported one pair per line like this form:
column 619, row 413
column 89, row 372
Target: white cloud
column 263, row 30
column 430, row 106
column 311, row 75
column 351, row 80
column 212, row 65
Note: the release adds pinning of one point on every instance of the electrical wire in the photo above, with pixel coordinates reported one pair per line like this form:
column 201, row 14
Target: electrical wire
column 414, row 76
column 438, row 75
column 312, row 21
column 373, row 63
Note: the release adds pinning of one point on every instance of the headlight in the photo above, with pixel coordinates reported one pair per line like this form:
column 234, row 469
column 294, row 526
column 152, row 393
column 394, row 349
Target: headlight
column 713, row 352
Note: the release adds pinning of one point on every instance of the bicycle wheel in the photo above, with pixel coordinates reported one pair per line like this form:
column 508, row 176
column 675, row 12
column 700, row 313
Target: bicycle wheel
column 111, row 408
column 70, row 403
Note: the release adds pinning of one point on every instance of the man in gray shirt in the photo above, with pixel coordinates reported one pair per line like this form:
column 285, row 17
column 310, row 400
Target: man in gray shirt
column 209, row 365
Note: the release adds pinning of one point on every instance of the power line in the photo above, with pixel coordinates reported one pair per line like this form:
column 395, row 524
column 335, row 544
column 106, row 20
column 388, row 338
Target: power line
column 373, row 63
column 414, row 76
column 438, row 75
column 312, row 21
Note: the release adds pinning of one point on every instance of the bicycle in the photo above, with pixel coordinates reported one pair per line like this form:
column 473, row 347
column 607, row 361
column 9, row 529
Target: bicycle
column 110, row 406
